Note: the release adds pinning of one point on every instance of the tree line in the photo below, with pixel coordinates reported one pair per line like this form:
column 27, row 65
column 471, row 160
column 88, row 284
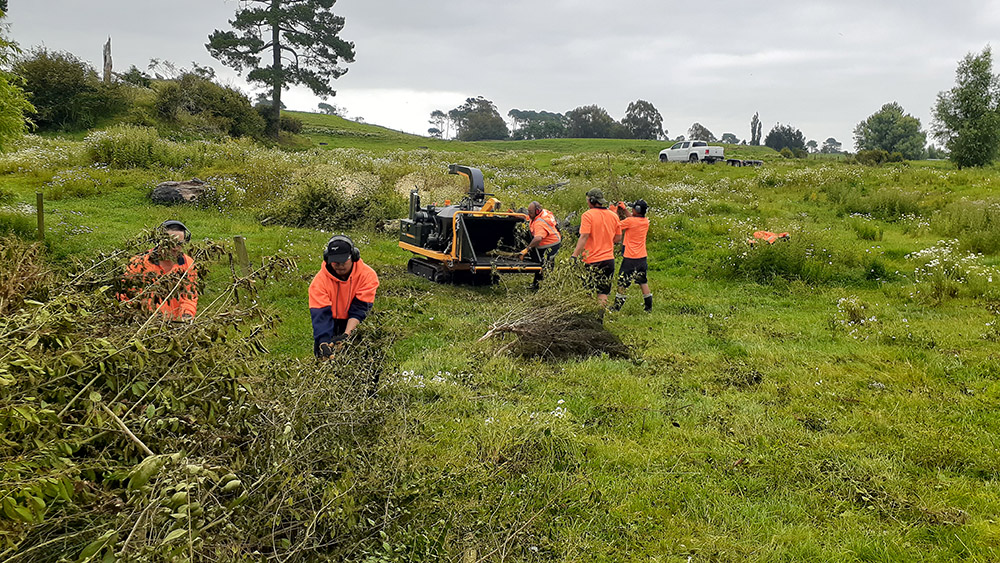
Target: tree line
column 477, row 119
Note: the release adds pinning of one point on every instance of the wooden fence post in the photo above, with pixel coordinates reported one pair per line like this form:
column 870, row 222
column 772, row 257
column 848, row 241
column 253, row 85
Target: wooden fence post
column 40, row 210
column 241, row 254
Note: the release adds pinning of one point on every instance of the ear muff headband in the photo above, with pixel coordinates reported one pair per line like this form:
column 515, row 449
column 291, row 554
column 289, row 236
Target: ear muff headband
column 177, row 225
column 355, row 251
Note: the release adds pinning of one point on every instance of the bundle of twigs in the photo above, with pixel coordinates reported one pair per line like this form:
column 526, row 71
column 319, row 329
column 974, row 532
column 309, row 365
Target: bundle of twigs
column 555, row 326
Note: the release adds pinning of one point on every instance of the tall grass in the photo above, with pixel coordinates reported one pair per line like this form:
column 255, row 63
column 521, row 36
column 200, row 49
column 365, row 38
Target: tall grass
column 975, row 223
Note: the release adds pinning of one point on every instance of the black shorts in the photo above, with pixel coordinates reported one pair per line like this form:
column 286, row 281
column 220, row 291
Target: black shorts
column 632, row 270
column 599, row 276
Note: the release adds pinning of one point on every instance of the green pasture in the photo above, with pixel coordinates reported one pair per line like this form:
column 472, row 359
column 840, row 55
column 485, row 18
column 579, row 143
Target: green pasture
column 829, row 398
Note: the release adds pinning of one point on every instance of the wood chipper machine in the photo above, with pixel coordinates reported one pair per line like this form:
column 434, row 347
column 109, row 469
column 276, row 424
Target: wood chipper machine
column 468, row 242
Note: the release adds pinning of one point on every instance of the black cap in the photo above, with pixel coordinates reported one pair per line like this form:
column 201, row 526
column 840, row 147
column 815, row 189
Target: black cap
column 174, row 225
column 640, row 206
column 338, row 250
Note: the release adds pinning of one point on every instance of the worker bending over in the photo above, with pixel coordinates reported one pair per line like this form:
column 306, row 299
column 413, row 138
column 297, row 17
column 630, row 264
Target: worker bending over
column 545, row 240
column 340, row 296
column 633, row 269
column 599, row 233
column 164, row 279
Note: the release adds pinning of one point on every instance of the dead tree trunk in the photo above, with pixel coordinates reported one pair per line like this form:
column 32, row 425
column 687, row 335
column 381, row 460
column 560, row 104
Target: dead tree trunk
column 107, row 62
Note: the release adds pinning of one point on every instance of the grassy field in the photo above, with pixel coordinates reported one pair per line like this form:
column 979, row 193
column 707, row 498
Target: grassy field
column 828, row 398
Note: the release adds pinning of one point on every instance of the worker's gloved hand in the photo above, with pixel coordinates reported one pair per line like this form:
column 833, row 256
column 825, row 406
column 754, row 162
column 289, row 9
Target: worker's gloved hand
column 524, row 253
column 574, row 260
column 328, row 349
column 325, row 350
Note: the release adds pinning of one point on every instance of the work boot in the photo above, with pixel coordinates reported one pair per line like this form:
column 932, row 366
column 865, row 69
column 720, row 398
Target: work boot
column 619, row 302
column 647, row 301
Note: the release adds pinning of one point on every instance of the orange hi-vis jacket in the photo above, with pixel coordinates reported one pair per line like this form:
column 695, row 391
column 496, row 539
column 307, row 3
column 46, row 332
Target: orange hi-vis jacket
column 602, row 225
column 544, row 225
column 634, row 231
column 172, row 293
column 332, row 301
column 768, row 236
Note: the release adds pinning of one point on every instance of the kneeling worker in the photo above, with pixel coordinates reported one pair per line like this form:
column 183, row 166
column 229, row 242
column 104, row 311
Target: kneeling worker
column 545, row 240
column 164, row 278
column 340, row 296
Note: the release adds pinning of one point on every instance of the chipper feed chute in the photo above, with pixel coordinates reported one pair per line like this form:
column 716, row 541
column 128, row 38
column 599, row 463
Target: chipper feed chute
column 469, row 242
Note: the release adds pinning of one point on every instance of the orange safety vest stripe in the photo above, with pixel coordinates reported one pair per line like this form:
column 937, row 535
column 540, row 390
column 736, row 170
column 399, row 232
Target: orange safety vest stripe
column 544, row 225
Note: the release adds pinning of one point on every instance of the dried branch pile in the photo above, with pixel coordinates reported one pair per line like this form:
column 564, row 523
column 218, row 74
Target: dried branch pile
column 555, row 327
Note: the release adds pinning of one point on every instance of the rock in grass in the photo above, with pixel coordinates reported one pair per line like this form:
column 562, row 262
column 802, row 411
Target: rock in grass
column 168, row 193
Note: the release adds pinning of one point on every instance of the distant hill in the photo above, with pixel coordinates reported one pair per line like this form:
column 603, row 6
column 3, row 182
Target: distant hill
column 333, row 131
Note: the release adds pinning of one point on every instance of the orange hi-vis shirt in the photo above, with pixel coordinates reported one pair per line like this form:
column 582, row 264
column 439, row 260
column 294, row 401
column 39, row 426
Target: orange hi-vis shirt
column 602, row 225
column 173, row 293
column 544, row 225
column 634, row 231
column 332, row 301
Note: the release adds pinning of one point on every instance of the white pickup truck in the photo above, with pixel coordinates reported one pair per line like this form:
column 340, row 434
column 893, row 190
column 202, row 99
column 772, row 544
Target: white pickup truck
column 692, row 151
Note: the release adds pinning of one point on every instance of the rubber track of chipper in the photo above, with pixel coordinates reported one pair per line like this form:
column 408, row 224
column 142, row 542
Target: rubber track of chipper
column 433, row 271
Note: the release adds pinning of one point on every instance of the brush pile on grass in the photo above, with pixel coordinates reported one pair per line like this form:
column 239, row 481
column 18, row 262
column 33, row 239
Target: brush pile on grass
column 24, row 275
column 125, row 438
column 559, row 322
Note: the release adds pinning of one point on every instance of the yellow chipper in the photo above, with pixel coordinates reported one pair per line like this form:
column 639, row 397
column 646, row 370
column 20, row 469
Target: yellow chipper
column 468, row 242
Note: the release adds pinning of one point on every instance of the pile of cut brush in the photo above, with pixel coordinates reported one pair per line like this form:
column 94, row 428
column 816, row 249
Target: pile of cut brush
column 559, row 322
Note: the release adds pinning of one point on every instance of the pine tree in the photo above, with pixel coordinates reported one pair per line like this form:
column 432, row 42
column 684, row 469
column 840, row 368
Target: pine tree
column 300, row 36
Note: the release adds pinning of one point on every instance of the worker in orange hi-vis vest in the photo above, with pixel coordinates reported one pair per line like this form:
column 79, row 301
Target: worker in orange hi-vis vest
column 545, row 240
column 164, row 279
column 341, row 295
column 599, row 233
column 634, row 229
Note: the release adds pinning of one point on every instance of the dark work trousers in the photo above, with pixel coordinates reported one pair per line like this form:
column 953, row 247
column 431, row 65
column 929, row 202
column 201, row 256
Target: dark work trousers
column 547, row 256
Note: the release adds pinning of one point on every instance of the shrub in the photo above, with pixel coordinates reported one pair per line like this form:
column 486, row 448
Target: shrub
column 36, row 154
column 18, row 220
column 865, row 228
column 887, row 204
column 877, row 157
column 201, row 106
column 136, row 77
column 976, row 224
column 66, row 92
column 14, row 109
column 787, row 153
column 291, row 124
column 124, row 146
column 797, row 258
column 944, row 271
column 323, row 198
column 24, row 275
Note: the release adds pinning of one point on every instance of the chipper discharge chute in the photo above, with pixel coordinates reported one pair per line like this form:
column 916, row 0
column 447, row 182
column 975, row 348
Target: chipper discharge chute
column 469, row 242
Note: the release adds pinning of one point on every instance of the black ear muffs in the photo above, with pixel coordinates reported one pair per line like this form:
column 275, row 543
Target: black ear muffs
column 176, row 226
column 355, row 251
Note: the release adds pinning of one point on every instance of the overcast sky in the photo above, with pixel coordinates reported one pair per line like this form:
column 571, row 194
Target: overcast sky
column 819, row 66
